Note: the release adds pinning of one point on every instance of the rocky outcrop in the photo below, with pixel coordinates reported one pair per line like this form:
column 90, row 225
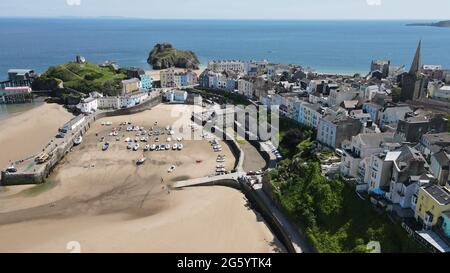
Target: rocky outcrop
column 165, row 56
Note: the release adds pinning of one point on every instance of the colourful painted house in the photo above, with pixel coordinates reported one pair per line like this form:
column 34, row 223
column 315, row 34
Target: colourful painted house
column 432, row 201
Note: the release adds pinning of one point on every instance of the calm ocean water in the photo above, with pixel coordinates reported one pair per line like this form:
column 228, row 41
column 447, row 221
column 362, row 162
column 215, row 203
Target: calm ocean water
column 328, row 46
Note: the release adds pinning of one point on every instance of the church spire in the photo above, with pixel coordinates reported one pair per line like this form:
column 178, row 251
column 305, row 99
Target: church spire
column 415, row 67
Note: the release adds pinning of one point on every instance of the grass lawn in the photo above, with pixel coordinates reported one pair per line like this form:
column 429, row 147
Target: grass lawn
column 84, row 77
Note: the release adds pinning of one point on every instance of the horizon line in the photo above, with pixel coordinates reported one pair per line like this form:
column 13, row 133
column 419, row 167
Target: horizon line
column 218, row 19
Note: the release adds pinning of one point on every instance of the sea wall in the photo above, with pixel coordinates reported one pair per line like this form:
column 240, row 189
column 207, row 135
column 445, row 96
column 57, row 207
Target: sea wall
column 41, row 172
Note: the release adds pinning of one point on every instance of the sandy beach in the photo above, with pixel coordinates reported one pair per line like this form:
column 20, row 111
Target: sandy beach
column 27, row 133
column 107, row 203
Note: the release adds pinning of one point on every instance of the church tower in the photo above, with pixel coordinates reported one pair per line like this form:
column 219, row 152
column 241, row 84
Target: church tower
column 414, row 82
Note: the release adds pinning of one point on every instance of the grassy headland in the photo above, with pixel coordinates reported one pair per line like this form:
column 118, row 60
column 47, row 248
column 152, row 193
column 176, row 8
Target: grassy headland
column 83, row 78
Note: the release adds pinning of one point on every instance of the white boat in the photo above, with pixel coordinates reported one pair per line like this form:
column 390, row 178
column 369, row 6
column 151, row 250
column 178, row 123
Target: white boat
column 147, row 148
column 175, row 147
column 180, row 147
column 141, row 160
column 179, row 139
column 136, row 147
column 171, row 169
column 153, row 147
column 168, row 147
column 11, row 169
column 128, row 139
column 78, row 140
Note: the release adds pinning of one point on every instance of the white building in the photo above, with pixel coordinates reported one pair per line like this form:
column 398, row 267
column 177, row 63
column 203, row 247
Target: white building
column 362, row 146
column 73, row 124
column 245, row 88
column 310, row 114
column 338, row 96
column 442, row 93
column 89, row 105
column 176, row 96
column 227, row 65
column 392, row 115
column 375, row 171
column 369, row 92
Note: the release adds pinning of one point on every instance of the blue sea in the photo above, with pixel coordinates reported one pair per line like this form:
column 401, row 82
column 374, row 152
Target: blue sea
column 326, row 46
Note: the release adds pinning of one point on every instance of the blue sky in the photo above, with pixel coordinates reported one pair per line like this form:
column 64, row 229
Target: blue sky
column 231, row 9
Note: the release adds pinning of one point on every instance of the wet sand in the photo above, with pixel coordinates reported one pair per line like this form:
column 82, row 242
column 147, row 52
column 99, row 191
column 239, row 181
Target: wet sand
column 108, row 204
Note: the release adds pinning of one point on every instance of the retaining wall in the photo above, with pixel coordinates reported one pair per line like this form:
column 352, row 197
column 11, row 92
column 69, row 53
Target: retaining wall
column 276, row 227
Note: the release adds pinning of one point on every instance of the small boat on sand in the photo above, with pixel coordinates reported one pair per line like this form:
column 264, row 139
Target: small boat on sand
column 180, row 147
column 147, row 148
column 141, row 160
column 78, row 140
column 105, row 146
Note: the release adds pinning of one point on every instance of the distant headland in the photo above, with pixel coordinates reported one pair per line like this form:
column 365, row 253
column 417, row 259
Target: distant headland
column 438, row 24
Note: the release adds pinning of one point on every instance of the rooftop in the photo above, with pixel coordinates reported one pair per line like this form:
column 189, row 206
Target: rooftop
column 440, row 194
column 442, row 158
column 88, row 100
column 133, row 80
column 20, row 71
column 435, row 138
column 374, row 140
